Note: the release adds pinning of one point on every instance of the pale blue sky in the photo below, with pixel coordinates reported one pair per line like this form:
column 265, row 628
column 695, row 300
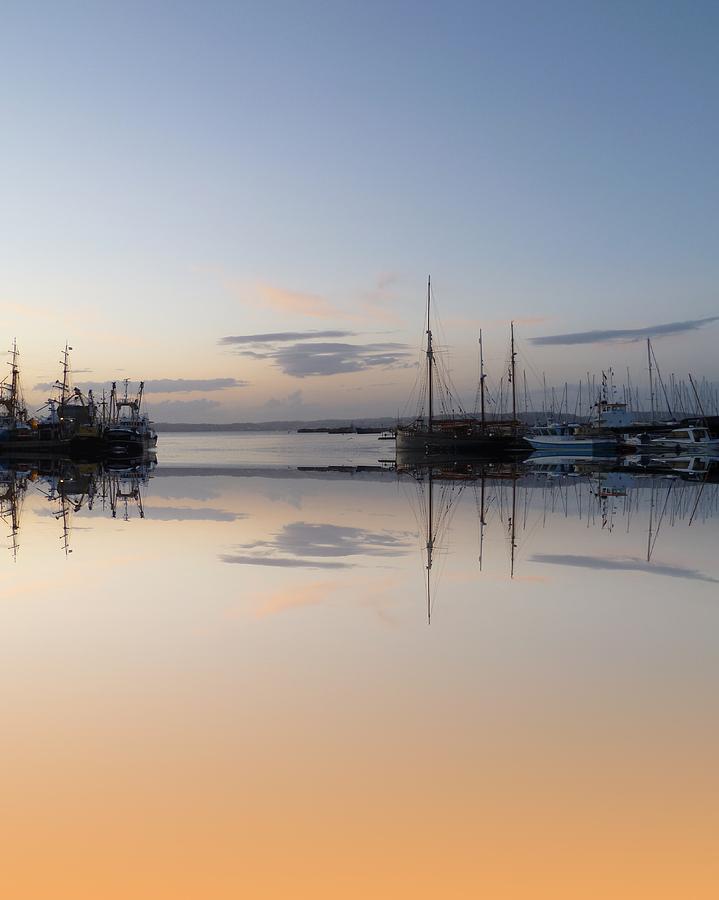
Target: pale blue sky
column 166, row 166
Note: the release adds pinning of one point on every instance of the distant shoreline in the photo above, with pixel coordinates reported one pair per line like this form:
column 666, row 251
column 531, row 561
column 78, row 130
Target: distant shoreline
column 383, row 423
column 273, row 426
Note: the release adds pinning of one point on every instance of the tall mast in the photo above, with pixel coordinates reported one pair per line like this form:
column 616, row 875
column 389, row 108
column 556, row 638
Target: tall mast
column 15, row 386
column 512, row 374
column 481, row 376
column 651, row 380
column 65, row 386
column 430, row 358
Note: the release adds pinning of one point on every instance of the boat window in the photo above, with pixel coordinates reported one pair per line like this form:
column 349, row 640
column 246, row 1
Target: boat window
column 680, row 435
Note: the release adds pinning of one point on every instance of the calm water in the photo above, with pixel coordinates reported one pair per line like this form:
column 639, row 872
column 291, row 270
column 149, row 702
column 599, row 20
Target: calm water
column 237, row 676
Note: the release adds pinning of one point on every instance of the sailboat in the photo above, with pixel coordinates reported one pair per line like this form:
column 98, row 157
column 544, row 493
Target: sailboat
column 452, row 435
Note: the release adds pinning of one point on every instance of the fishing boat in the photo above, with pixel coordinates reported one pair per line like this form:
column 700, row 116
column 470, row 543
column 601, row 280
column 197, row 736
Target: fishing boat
column 572, row 440
column 449, row 433
column 73, row 422
column 129, row 431
column 14, row 424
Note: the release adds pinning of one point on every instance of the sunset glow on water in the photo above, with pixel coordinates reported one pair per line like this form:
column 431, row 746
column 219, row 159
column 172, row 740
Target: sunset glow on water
column 240, row 695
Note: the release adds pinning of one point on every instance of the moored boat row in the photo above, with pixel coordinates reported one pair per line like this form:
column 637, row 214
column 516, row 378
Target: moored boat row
column 71, row 422
column 609, row 430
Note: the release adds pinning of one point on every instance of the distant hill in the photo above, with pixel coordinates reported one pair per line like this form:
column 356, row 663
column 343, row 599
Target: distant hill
column 530, row 418
column 291, row 425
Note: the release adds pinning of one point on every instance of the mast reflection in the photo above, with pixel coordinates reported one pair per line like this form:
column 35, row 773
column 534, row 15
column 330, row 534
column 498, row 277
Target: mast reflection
column 112, row 486
column 531, row 495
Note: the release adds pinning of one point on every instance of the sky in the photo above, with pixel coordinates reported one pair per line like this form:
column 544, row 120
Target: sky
column 178, row 179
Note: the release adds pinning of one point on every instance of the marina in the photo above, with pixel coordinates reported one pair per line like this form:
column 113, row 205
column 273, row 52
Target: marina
column 325, row 578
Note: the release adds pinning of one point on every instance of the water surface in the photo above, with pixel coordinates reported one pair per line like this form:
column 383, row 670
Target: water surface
column 235, row 675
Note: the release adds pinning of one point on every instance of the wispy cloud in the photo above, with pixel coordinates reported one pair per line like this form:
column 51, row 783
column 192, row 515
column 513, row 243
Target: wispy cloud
column 297, row 302
column 622, row 564
column 301, row 360
column 318, row 546
column 603, row 336
column 376, row 303
column 188, row 385
column 161, row 385
column 276, row 337
column 301, row 354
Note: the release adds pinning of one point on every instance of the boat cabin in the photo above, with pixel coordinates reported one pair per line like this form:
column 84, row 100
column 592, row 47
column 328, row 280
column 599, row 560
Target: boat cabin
column 692, row 435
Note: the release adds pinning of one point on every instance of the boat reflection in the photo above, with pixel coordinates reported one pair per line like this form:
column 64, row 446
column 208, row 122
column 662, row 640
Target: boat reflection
column 698, row 468
column 531, row 495
column 112, row 486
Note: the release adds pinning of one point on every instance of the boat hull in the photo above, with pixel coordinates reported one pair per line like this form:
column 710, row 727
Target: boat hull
column 458, row 443
column 694, row 448
column 563, row 445
column 122, row 441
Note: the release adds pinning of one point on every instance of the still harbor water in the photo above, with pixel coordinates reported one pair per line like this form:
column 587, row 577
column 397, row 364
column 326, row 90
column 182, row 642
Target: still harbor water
column 273, row 666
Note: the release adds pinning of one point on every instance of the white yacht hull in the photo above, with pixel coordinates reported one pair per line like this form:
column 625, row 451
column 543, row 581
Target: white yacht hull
column 570, row 445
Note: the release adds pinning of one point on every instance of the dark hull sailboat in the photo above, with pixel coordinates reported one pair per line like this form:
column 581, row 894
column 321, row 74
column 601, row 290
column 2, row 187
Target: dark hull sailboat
column 456, row 438
column 450, row 435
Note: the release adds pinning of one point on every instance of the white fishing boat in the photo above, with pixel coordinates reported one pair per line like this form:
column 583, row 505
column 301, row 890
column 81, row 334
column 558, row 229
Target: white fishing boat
column 572, row 440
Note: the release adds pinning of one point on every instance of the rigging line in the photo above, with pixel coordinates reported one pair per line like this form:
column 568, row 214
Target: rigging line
column 521, row 356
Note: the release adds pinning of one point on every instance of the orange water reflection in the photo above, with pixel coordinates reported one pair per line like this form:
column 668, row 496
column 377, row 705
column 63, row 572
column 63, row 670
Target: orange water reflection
column 238, row 695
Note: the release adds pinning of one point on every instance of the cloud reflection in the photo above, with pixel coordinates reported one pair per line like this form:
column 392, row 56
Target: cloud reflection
column 319, row 546
column 191, row 513
column 622, row 564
